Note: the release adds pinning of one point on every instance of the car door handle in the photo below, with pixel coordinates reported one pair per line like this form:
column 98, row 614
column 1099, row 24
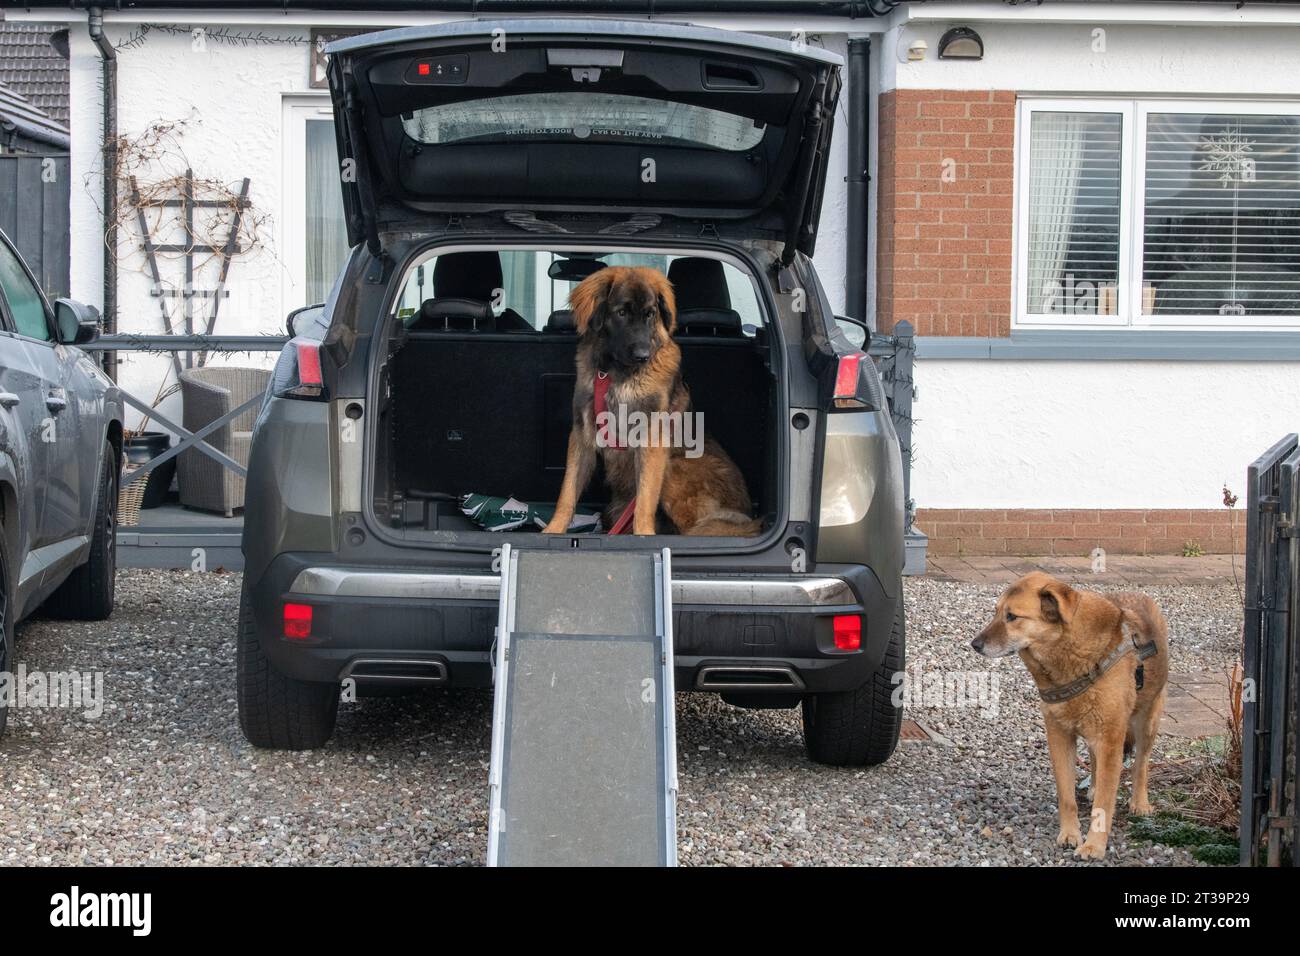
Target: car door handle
column 9, row 399
column 55, row 401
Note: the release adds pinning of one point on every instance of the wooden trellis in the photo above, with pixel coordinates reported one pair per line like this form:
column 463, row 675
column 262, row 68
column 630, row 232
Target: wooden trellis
column 187, row 293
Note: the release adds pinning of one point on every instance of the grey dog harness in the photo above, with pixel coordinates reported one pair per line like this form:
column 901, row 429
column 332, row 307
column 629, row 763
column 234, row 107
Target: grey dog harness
column 1064, row 692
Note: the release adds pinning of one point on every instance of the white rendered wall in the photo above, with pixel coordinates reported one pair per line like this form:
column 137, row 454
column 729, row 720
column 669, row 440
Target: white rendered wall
column 229, row 101
column 1094, row 434
column 1136, row 59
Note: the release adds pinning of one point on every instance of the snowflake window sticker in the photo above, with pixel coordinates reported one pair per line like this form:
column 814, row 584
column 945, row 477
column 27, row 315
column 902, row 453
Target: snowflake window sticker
column 1226, row 157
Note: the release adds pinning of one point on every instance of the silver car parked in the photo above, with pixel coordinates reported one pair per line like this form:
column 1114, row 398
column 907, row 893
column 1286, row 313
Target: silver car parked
column 60, row 453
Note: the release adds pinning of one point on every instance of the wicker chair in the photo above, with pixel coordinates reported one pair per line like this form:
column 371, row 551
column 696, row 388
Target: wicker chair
column 209, row 393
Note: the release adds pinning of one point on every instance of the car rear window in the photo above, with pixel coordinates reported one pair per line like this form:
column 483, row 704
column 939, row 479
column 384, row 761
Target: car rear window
column 582, row 116
column 528, row 290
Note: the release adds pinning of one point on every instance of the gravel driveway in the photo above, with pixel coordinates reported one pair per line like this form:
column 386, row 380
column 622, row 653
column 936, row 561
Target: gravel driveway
column 164, row 776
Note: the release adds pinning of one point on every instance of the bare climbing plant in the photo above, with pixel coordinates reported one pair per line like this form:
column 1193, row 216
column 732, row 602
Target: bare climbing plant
column 152, row 172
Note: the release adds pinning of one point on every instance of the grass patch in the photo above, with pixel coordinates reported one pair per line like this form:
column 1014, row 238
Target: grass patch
column 1211, row 845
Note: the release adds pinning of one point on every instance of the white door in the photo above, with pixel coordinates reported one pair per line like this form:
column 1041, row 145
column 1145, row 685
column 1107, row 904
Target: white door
column 315, row 238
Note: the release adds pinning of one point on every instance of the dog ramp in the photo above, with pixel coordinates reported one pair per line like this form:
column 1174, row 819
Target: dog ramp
column 584, row 763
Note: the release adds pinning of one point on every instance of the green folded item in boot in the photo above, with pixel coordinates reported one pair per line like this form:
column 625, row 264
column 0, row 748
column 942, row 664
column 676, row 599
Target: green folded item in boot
column 493, row 513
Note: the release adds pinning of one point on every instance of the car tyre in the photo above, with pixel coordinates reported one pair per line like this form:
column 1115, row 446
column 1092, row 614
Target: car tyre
column 87, row 594
column 277, row 712
column 859, row 728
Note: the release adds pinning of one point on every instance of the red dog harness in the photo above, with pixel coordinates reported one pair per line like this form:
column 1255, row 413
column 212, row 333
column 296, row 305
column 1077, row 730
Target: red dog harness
column 601, row 390
column 601, row 402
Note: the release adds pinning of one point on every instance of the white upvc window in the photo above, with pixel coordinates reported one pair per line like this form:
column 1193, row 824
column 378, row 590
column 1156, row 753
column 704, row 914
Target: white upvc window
column 1153, row 213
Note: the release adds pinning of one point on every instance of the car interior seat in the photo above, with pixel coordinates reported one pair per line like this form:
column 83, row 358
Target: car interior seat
column 703, row 302
column 464, row 285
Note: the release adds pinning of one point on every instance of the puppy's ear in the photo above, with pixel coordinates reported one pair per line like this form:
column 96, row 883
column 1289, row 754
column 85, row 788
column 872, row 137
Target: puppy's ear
column 587, row 300
column 667, row 301
column 1058, row 601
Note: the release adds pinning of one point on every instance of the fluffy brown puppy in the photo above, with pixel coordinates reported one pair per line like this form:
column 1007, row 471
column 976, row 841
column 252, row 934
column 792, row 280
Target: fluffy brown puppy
column 1085, row 652
column 627, row 362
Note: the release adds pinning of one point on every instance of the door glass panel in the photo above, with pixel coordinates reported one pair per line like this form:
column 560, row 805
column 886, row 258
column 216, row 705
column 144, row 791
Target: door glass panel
column 327, row 241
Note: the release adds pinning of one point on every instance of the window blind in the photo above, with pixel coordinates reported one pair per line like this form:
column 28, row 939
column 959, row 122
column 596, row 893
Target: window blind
column 1074, row 212
column 1221, row 231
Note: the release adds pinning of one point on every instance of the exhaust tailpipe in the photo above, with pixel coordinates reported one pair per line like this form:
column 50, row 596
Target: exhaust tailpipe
column 728, row 677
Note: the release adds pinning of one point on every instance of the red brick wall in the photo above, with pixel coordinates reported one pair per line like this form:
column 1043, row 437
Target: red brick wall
column 944, row 248
column 1078, row 531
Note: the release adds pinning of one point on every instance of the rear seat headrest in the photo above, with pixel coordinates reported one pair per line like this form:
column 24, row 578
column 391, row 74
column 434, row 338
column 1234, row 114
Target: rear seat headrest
column 467, row 275
column 699, row 284
column 561, row 320
column 458, row 315
column 720, row 322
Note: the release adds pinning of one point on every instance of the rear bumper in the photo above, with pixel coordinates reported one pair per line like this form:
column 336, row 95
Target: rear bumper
column 768, row 633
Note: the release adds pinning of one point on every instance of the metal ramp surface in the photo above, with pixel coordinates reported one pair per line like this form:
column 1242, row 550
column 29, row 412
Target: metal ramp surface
column 584, row 762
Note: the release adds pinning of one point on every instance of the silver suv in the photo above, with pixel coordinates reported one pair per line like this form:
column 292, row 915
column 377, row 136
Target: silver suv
column 487, row 167
column 60, row 453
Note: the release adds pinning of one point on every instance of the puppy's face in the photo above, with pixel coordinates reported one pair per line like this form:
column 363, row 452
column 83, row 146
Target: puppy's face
column 1037, row 608
column 630, row 309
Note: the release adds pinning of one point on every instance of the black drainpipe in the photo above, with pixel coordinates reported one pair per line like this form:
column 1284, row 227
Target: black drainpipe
column 95, row 23
column 859, row 179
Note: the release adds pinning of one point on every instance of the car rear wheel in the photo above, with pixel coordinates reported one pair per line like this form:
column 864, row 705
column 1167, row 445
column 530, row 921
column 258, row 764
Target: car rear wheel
column 275, row 711
column 859, row 728
column 87, row 594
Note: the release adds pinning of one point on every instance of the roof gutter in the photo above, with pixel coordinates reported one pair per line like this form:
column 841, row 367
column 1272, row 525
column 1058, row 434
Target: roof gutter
column 108, row 65
column 853, row 9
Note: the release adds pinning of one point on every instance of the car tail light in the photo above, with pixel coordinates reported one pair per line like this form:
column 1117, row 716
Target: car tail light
column 848, row 375
column 297, row 621
column 851, row 383
column 299, row 373
column 848, row 632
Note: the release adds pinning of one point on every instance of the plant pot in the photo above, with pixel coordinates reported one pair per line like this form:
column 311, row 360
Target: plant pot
column 140, row 449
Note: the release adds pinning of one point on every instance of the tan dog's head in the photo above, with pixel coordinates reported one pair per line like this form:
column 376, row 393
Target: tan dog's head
column 629, row 311
column 1037, row 608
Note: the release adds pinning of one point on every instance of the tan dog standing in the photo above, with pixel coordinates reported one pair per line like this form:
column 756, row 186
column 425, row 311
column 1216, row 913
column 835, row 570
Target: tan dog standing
column 1084, row 651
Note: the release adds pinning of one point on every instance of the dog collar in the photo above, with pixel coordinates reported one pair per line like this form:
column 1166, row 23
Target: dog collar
column 1064, row 692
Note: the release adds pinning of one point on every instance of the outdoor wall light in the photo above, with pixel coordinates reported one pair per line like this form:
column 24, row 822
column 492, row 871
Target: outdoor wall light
column 961, row 43
column 916, row 50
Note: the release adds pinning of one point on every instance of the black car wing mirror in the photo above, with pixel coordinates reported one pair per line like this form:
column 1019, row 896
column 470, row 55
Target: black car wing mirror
column 290, row 322
column 75, row 322
column 855, row 330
